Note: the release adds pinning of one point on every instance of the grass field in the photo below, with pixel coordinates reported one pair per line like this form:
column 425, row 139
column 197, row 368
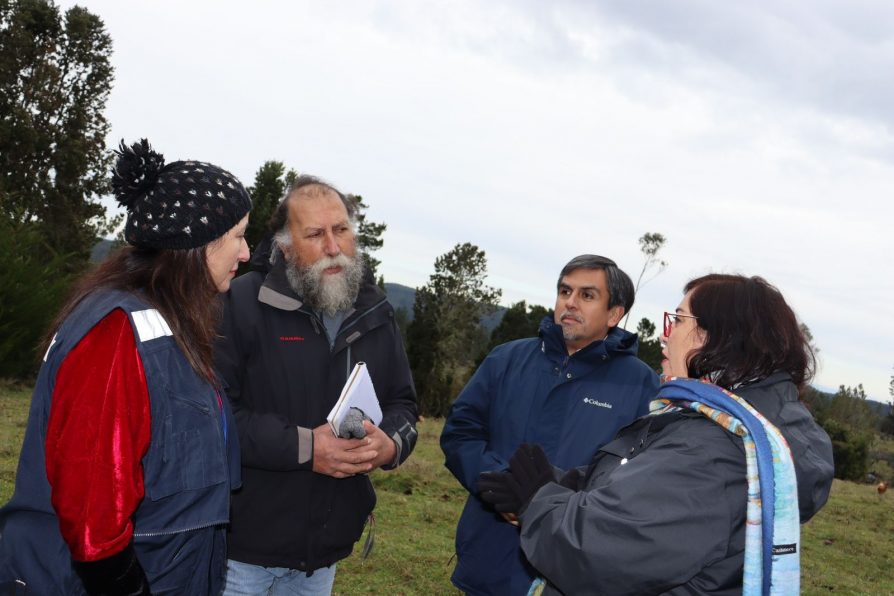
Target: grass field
column 848, row 548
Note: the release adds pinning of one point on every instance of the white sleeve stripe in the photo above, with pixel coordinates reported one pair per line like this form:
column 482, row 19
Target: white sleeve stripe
column 150, row 324
column 50, row 347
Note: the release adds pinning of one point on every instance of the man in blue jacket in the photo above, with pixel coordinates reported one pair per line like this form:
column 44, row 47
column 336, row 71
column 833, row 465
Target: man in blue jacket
column 568, row 390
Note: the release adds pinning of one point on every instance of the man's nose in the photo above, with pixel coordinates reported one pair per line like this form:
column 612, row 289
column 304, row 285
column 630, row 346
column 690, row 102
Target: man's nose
column 571, row 301
column 330, row 245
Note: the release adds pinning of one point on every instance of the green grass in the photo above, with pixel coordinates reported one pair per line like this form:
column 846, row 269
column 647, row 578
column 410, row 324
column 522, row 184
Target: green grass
column 14, row 403
column 846, row 548
column 418, row 506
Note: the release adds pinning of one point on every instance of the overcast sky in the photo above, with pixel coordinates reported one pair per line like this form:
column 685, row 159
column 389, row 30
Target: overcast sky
column 756, row 136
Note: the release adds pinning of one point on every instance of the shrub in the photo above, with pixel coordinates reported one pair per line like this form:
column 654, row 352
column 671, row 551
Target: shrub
column 33, row 283
column 850, row 450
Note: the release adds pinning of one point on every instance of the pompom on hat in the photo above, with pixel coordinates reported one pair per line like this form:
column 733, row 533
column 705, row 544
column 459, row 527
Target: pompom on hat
column 181, row 205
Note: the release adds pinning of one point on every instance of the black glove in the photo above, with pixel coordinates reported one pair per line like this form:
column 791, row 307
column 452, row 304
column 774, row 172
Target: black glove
column 119, row 574
column 501, row 490
column 572, row 479
column 510, row 492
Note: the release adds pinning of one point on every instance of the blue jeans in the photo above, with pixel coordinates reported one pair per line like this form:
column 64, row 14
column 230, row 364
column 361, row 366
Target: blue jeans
column 244, row 579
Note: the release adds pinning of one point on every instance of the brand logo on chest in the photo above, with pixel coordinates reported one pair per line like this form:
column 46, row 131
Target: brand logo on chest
column 290, row 338
column 595, row 402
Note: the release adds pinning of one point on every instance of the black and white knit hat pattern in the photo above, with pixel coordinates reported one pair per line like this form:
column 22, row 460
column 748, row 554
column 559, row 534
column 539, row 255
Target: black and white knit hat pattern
column 185, row 204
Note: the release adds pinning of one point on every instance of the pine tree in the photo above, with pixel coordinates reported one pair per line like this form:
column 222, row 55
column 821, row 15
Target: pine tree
column 446, row 333
column 369, row 237
column 55, row 79
column 519, row 321
column 268, row 189
column 649, row 347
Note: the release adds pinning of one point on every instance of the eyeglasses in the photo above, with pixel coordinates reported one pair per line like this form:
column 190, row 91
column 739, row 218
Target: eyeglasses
column 671, row 319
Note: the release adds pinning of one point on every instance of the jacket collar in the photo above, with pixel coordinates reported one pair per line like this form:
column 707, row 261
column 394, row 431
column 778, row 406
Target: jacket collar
column 619, row 342
column 768, row 395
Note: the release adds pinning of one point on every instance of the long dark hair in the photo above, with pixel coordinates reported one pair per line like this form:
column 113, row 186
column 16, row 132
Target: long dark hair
column 176, row 282
column 751, row 332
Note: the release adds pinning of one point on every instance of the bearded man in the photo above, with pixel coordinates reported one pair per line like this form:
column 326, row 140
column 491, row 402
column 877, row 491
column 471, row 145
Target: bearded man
column 568, row 390
column 292, row 331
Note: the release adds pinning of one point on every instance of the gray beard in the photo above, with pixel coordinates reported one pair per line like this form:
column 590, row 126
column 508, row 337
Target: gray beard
column 324, row 293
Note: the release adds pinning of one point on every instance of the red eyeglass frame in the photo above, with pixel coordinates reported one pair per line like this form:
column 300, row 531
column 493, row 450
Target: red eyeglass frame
column 670, row 318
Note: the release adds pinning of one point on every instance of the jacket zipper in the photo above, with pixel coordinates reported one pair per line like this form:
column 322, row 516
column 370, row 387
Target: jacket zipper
column 365, row 313
column 170, row 532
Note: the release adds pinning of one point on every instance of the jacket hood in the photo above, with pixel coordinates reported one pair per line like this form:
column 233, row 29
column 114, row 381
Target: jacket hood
column 619, row 342
column 260, row 256
column 776, row 397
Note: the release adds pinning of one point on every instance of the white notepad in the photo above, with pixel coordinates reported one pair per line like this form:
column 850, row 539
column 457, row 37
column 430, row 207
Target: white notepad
column 358, row 392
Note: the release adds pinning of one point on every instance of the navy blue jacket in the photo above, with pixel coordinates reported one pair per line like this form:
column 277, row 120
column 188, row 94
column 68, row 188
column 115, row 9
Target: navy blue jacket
column 532, row 391
column 188, row 470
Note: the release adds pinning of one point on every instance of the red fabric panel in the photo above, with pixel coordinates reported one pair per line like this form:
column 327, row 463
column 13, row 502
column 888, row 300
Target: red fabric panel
column 98, row 432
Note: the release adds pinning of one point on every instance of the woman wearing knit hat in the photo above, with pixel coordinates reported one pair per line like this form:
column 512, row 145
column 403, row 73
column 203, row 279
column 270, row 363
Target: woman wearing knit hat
column 130, row 451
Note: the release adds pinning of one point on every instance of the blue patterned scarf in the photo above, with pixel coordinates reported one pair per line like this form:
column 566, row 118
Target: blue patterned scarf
column 772, row 530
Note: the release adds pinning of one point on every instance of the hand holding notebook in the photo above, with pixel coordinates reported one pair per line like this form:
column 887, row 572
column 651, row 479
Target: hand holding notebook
column 359, row 393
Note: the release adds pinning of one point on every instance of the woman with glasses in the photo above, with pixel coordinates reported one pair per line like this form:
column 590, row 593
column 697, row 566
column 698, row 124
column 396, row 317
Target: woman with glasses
column 705, row 494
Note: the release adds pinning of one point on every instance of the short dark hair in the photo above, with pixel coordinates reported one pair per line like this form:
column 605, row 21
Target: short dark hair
column 620, row 286
column 280, row 216
column 750, row 332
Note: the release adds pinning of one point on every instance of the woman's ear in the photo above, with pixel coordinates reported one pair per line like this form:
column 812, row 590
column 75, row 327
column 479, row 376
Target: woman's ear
column 700, row 337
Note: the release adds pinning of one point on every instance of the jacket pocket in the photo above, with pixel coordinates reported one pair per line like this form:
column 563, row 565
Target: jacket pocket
column 188, row 447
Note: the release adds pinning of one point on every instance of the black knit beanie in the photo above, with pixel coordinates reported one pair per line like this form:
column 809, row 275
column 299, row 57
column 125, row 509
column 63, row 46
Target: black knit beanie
column 185, row 204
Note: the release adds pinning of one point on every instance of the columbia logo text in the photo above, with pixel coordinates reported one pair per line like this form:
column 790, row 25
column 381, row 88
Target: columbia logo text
column 785, row 549
column 290, row 338
column 596, row 402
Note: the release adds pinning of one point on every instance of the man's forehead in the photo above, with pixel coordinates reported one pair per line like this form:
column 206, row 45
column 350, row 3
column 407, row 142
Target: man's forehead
column 584, row 279
column 307, row 208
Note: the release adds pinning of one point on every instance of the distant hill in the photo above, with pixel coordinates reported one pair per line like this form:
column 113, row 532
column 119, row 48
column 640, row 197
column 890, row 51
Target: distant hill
column 881, row 409
column 401, row 297
column 404, row 297
column 878, row 408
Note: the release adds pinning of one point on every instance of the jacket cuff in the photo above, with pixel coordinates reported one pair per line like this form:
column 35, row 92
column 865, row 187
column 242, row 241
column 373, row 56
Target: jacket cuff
column 404, row 438
column 305, row 445
column 119, row 574
column 396, row 461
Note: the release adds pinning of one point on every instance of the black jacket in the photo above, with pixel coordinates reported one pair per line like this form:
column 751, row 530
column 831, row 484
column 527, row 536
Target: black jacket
column 661, row 509
column 282, row 380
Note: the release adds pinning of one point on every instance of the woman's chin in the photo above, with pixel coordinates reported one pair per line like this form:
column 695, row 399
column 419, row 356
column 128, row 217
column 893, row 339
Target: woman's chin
column 666, row 368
